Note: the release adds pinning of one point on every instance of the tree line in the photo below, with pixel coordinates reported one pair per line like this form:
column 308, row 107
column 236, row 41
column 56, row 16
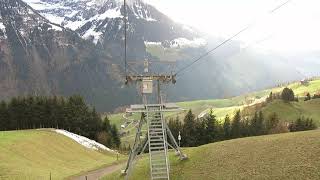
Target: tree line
column 71, row 114
column 200, row 131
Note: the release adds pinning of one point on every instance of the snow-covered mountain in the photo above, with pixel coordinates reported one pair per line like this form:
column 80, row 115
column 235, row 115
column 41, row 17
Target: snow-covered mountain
column 102, row 21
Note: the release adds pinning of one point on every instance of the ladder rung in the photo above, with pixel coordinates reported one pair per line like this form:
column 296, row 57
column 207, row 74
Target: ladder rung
column 160, row 168
column 158, row 173
column 156, row 140
column 159, row 165
column 157, row 144
column 156, row 136
column 158, row 154
column 158, row 132
column 158, row 158
column 155, row 126
column 160, row 177
column 159, row 148
column 157, row 129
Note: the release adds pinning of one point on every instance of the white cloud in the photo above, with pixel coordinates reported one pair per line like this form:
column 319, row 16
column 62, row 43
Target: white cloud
column 295, row 27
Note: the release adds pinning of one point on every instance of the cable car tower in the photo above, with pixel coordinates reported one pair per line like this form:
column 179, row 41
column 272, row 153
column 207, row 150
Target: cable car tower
column 157, row 128
column 152, row 114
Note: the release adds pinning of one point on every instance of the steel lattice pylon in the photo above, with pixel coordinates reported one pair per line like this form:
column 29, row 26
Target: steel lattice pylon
column 158, row 130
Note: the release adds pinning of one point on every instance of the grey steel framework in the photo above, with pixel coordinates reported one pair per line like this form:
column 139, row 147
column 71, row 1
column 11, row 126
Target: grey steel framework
column 158, row 130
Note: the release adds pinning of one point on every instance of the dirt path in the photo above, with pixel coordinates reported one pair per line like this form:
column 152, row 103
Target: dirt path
column 99, row 173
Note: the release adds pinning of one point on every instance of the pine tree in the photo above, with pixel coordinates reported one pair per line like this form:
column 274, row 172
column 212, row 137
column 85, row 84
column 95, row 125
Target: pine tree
column 287, row 95
column 236, row 125
column 4, row 117
column 260, row 126
column 175, row 126
column 210, row 127
column 227, row 127
column 272, row 122
column 254, row 125
column 245, row 127
column 115, row 136
column 189, row 138
column 106, row 124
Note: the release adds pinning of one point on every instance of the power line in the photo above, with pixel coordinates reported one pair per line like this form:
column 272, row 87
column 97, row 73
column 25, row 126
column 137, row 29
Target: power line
column 229, row 39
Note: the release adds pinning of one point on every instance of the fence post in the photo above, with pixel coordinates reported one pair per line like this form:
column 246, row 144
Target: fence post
column 50, row 175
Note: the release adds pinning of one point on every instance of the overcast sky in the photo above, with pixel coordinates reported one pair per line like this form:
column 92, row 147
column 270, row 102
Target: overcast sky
column 293, row 28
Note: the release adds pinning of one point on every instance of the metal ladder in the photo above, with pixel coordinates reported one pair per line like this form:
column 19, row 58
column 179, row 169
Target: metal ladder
column 158, row 147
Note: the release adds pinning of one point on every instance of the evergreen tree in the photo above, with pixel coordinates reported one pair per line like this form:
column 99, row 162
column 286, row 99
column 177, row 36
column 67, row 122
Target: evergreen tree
column 287, row 95
column 46, row 112
column 106, row 124
column 115, row 136
column 4, row 117
column 260, row 126
column 189, row 130
column 245, row 127
column 272, row 122
column 254, row 125
column 210, row 127
column 175, row 126
column 236, row 125
column 227, row 127
column 200, row 133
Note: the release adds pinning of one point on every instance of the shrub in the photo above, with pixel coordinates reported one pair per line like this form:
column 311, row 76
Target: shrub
column 287, row 95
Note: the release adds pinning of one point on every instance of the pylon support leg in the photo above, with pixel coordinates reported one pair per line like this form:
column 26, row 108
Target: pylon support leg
column 135, row 150
column 175, row 144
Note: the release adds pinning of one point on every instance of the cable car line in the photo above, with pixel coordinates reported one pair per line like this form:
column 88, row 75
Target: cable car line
column 229, row 39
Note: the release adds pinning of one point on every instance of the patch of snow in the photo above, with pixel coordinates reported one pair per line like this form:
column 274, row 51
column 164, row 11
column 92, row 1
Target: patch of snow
column 54, row 19
column 2, row 27
column 41, row 5
column 92, row 33
column 74, row 25
column 111, row 13
column 88, row 143
column 150, row 19
column 72, row 13
column 183, row 42
column 152, row 43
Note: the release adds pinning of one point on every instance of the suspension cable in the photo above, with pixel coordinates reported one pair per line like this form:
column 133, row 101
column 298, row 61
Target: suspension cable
column 125, row 36
column 227, row 40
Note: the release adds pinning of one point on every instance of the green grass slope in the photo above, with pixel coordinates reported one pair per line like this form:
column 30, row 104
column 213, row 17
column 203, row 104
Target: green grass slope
column 289, row 112
column 33, row 154
column 281, row 156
